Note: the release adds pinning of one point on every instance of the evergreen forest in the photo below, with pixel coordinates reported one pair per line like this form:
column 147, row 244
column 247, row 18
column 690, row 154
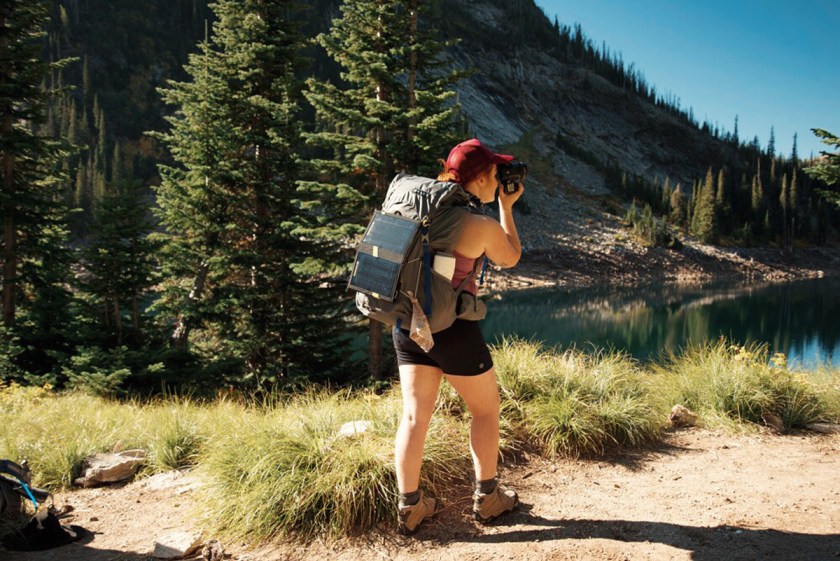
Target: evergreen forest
column 183, row 182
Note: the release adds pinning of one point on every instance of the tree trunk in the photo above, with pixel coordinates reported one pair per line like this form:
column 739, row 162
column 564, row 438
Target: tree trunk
column 118, row 321
column 7, row 168
column 135, row 313
column 375, row 350
column 412, row 69
column 257, row 360
column 382, row 179
column 9, row 235
column 181, row 333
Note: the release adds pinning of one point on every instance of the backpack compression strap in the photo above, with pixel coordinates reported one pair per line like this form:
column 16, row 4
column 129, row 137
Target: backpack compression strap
column 427, row 266
column 17, row 471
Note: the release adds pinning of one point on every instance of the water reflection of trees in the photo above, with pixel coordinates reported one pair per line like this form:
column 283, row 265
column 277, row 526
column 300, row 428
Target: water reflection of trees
column 791, row 318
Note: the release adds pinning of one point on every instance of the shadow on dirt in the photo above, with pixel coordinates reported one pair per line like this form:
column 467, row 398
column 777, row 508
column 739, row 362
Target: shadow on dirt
column 74, row 551
column 714, row 543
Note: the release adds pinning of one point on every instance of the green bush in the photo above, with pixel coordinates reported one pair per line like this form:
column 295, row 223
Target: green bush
column 731, row 384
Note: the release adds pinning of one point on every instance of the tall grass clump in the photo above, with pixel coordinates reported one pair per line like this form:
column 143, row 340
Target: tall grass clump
column 826, row 382
column 728, row 385
column 178, row 430
column 55, row 432
column 573, row 403
column 286, row 469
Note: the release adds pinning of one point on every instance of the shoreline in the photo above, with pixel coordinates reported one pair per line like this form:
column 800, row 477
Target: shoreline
column 627, row 265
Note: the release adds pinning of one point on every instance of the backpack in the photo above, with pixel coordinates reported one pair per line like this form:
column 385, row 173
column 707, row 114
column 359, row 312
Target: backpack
column 14, row 486
column 420, row 218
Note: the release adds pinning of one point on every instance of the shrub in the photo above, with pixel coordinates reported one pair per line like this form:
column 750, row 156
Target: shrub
column 731, row 383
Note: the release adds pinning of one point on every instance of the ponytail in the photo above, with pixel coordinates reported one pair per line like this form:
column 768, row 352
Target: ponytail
column 451, row 175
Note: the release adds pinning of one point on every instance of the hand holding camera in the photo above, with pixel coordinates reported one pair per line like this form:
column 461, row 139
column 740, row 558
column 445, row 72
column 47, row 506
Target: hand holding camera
column 511, row 175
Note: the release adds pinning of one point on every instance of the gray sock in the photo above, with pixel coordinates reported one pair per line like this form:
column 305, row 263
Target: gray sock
column 408, row 499
column 486, row 487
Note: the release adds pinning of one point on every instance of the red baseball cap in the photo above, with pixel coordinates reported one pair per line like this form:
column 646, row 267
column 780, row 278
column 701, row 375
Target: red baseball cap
column 471, row 158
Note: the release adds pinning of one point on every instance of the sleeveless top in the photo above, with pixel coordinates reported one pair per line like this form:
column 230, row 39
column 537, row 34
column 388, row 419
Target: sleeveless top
column 463, row 267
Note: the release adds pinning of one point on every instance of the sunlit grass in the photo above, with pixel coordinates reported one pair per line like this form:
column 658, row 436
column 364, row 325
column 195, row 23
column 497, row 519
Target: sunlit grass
column 56, row 432
column 279, row 467
column 730, row 385
column 572, row 403
column 288, row 469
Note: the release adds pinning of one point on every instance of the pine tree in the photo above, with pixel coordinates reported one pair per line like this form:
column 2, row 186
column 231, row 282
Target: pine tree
column 705, row 221
column 118, row 259
column 254, row 245
column 692, row 204
column 72, row 128
column 722, row 206
column 665, row 197
column 771, row 144
column 36, row 261
column 735, row 139
column 678, row 207
column 784, row 203
column 756, row 203
column 396, row 112
column 827, row 169
column 86, row 87
column 117, row 167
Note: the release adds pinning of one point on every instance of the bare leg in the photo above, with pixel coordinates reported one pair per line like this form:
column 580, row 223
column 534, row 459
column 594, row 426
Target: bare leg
column 419, row 384
column 481, row 394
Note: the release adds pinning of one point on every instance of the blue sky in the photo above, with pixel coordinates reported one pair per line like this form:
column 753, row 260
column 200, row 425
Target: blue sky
column 772, row 62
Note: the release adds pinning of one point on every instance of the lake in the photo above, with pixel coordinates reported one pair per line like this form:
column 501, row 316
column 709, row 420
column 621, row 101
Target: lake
column 800, row 319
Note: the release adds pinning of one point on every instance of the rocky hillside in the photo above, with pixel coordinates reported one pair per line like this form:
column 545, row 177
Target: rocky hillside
column 561, row 117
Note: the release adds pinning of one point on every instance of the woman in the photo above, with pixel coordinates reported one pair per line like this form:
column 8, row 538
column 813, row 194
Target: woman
column 460, row 353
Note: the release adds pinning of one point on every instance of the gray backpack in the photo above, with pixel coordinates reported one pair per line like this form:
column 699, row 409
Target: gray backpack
column 420, row 218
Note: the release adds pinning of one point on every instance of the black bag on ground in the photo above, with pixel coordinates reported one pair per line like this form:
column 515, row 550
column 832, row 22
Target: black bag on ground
column 43, row 531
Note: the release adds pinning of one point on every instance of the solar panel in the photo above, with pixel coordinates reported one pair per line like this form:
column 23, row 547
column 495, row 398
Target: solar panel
column 380, row 255
column 390, row 232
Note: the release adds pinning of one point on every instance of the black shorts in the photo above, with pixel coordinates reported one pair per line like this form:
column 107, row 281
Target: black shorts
column 458, row 350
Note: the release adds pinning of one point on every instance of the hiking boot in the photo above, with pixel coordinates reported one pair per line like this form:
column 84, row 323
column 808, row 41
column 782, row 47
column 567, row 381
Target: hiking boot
column 411, row 516
column 489, row 506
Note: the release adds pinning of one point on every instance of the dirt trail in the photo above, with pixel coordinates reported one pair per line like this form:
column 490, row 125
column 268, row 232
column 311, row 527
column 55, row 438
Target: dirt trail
column 699, row 495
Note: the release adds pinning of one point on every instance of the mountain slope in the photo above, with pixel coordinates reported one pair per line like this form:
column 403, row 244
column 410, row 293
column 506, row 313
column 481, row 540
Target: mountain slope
column 569, row 123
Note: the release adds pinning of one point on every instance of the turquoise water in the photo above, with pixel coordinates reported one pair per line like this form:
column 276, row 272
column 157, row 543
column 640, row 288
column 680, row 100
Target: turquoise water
column 800, row 319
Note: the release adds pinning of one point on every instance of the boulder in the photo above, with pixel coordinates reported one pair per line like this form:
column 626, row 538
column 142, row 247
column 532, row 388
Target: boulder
column 110, row 467
column 824, row 428
column 176, row 545
column 682, row 417
column 353, row 428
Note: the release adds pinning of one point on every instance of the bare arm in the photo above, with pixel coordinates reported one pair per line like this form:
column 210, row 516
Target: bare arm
column 498, row 240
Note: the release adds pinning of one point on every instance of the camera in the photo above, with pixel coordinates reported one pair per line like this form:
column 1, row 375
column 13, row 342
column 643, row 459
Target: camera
column 511, row 175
